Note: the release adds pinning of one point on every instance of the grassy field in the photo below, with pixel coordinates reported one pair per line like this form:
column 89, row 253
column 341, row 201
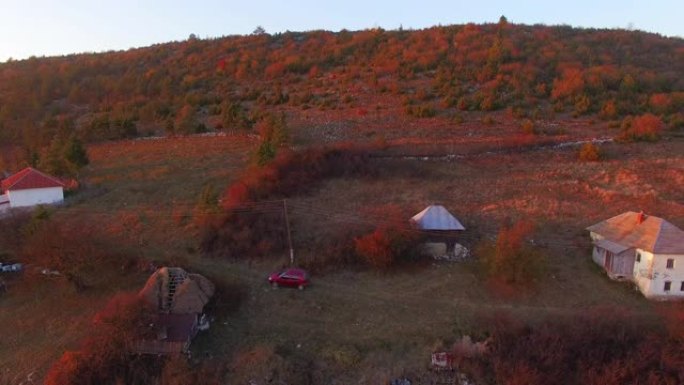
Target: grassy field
column 141, row 189
column 352, row 325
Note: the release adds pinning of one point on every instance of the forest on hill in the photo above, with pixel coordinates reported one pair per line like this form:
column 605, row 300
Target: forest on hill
column 229, row 83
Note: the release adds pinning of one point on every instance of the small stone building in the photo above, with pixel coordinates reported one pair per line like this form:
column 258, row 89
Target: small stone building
column 179, row 298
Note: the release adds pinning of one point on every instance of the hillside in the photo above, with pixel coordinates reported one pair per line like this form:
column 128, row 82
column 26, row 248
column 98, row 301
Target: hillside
column 341, row 82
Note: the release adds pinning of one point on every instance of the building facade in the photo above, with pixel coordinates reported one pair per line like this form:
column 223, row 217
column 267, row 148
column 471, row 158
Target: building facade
column 644, row 249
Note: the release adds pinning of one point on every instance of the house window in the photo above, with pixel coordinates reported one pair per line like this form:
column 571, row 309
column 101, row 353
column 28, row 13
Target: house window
column 681, row 288
column 668, row 284
column 670, row 263
column 638, row 259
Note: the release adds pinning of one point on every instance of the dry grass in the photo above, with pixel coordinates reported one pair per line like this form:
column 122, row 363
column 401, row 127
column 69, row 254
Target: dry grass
column 354, row 326
column 164, row 171
column 138, row 189
column 392, row 321
column 43, row 317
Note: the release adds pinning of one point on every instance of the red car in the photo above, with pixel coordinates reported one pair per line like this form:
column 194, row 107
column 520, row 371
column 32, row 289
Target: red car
column 290, row 277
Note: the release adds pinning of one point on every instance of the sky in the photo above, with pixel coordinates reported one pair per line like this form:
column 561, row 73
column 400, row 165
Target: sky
column 58, row 27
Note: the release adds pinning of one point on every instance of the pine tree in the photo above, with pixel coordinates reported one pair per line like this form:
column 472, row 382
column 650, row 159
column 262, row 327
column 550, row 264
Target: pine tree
column 75, row 153
column 52, row 160
column 273, row 133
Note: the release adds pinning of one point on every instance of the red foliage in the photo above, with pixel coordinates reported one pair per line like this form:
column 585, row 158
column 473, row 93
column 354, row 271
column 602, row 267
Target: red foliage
column 660, row 102
column 570, row 84
column 513, row 259
column 376, row 249
column 493, row 67
column 646, row 127
column 389, row 242
column 253, row 227
column 597, row 346
column 104, row 356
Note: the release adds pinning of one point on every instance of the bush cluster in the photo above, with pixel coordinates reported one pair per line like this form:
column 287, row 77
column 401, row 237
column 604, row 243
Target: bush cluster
column 512, row 259
column 104, row 356
column 599, row 346
column 253, row 224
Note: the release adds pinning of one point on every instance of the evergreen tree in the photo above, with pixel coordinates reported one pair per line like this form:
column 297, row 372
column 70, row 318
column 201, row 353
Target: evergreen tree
column 52, row 160
column 273, row 133
column 75, row 153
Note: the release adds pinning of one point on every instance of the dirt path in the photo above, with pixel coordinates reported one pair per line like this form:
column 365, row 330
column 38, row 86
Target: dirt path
column 504, row 150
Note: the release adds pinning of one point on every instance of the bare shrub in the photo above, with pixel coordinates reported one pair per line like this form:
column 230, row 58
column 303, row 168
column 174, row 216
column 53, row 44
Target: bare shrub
column 604, row 345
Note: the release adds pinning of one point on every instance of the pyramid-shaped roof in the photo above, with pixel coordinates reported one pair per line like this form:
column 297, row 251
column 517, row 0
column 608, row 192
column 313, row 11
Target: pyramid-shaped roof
column 646, row 232
column 436, row 217
column 29, row 178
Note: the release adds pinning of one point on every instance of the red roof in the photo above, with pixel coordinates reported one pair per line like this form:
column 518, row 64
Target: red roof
column 29, row 178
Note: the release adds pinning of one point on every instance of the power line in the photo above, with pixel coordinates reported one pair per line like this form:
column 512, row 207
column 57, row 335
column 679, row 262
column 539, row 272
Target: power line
column 275, row 207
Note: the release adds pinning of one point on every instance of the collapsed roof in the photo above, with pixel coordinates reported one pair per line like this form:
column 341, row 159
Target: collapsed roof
column 172, row 290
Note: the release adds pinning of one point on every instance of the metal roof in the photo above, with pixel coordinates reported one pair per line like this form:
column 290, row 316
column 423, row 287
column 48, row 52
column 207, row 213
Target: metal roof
column 613, row 247
column 436, row 217
column 646, row 232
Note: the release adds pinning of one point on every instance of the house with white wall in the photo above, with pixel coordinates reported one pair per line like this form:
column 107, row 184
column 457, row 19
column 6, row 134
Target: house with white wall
column 30, row 187
column 644, row 249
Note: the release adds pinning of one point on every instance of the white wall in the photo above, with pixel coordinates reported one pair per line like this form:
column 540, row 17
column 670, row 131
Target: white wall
column 656, row 266
column 597, row 255
column 35, row 196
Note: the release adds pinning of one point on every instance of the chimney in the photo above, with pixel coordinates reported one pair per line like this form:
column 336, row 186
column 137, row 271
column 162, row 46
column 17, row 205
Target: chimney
column 640, row 217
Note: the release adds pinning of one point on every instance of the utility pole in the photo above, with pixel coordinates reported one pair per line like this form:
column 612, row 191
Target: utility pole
column 289, row 235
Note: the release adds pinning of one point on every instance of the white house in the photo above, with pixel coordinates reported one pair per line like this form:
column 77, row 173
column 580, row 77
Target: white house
column 644, row 249
column 30, row 187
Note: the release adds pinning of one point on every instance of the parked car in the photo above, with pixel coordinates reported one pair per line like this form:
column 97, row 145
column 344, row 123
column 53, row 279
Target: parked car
column 290, row 277
column 11, row 267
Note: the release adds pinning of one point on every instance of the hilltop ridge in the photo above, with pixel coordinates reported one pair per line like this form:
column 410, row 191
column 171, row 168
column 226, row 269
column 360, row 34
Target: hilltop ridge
column 439, row 73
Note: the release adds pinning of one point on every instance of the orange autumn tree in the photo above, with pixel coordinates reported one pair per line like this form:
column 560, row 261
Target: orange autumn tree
column 104, row 356
column 391, row 240
column 512, row 259
column 647, row 127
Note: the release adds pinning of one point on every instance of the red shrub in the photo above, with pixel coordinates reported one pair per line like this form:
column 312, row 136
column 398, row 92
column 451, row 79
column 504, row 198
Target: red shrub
column 104, row 356
column 647, row 127
column 660, row 102
column 590, row 152
column 595, row 346
column 254, row 221
column 376, row 249
column 389, row 242
column 511, row 259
